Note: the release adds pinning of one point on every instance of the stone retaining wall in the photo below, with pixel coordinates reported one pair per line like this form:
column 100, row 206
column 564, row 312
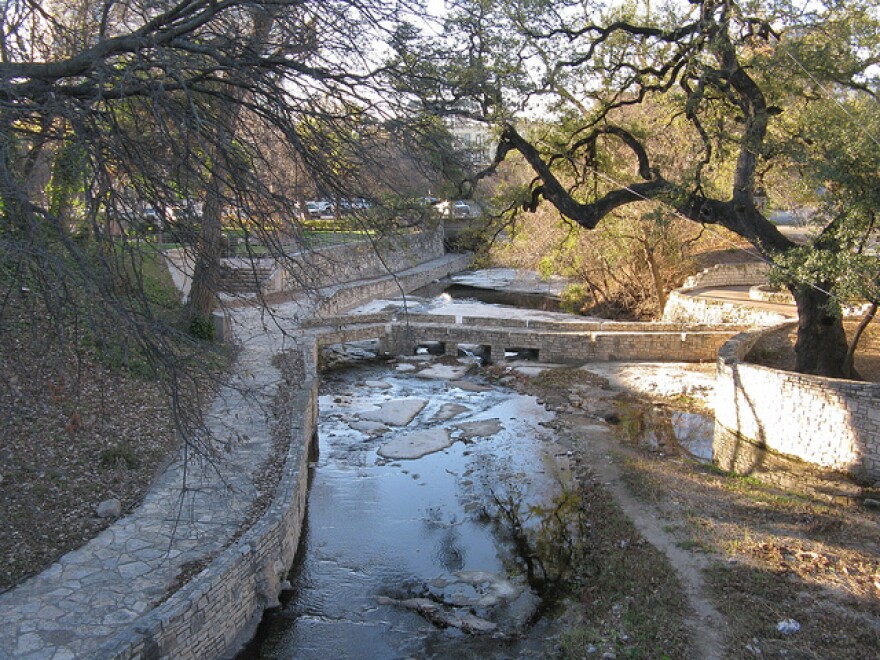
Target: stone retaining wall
column 325, row 267
column 747, row 274
column 683, row 308
column 832, row 424
column 771, row 294
column 337, row 299
column 217, row 611
column 311, row 270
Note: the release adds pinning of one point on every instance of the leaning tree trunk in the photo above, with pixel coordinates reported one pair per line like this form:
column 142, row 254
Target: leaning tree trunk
column 821, row 346
column 656, row 279
column 204, row 287
column 206, row 275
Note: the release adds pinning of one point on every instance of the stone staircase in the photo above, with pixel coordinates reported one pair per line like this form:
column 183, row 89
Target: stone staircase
column 242, row 276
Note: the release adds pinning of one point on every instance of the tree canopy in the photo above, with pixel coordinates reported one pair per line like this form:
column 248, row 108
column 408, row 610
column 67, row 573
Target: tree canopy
column 187, row 116
column 701, row 107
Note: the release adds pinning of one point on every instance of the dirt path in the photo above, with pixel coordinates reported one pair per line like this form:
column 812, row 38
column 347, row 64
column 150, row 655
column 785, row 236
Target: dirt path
column 706, row 622
column 751, row 570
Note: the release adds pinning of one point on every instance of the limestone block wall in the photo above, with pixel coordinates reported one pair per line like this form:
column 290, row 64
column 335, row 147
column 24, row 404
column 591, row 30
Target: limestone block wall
column 754, row 272
column 218, row 610
column 314, row 269
column 830, row 423
column 333, row 265
column 335, row 300
column 768, row 293
column 682, row 308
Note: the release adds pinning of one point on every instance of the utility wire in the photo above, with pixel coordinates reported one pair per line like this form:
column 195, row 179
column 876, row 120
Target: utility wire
column 718, row 234
column 827, row 93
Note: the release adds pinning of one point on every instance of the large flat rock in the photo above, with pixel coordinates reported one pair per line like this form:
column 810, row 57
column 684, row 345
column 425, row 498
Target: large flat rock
column 449, row 410
column 482, row 428
column 416, row 444
column 370, row 428
column 469, row 386
column 377, row 384
column 445, row 371
column 398, row 412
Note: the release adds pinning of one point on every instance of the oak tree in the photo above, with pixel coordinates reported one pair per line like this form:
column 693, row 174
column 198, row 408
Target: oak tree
column 735, row 81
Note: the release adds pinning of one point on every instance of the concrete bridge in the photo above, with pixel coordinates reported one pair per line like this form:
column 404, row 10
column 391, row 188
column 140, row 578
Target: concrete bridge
column 557, row 341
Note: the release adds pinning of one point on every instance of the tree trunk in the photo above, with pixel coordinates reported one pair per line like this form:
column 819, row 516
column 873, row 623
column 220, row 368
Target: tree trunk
column 206, row 274
column 853, row 344
column 656, row 279
column 821, row 346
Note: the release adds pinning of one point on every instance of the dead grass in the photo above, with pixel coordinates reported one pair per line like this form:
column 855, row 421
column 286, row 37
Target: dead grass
column 778, row 556
column 772, row 555
column 70, row 442
column 631, row 599
column 82, row 420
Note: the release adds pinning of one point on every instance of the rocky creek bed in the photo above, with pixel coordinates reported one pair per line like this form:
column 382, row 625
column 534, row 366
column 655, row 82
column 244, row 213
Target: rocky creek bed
column 444, row 520
column 430, row 500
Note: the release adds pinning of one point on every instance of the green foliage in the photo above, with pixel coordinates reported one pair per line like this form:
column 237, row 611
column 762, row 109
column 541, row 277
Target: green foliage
column 121, row 454
column 842, row 161
column 158, row 286
column 67, row 185
column 574, row 298
column 202, row 327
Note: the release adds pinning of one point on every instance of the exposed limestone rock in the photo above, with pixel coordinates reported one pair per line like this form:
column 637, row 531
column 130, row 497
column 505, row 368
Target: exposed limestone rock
column 370, row 428
column 468, row 386
column 480, row 429
column 111, row 508
column 450, row 410
column 445, row 371
column 443, row 616
column 398, row 412
column 416, row 444
column 377, row 384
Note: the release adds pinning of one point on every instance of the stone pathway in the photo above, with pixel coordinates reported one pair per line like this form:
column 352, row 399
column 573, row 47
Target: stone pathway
column 83, row 603
column 94, row 593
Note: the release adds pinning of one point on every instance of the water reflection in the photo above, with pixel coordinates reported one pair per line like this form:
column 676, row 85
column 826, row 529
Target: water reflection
column 456, row 554
column 666, row 430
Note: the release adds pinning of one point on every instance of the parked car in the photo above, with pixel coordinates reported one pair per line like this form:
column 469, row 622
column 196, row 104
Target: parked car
column 458, row 209
column 350, row 205
column 318, row 208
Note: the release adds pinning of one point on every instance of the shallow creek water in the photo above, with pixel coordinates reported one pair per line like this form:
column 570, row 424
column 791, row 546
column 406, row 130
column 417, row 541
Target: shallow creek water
column 666, row 430
column 520, row 299
column 435, row 556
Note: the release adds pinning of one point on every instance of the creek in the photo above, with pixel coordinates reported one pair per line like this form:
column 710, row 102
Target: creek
column 443, row 519
column 456, row 553
column 520, row 299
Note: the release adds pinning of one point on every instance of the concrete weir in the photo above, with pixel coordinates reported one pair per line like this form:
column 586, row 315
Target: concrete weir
column 562, row 341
